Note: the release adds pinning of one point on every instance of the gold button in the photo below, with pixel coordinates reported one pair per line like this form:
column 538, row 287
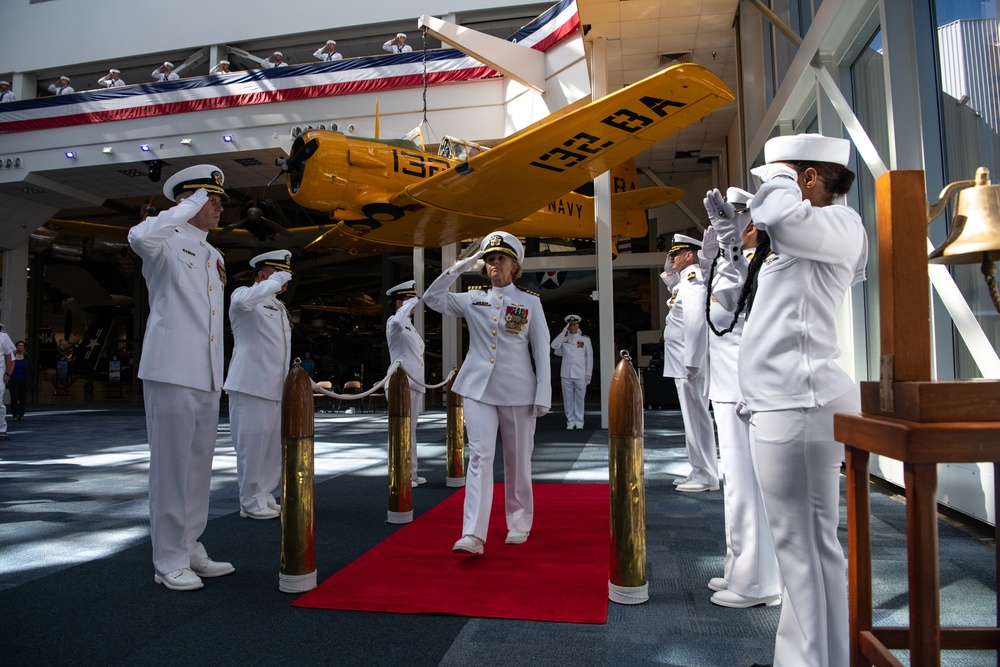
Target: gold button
column 213, row 311
column 494, row 346
column 494, row 332
column 208, row 265
column 212, row 338
column 494, row 318
column 491, row 361
column 209, row 288
column 498, row 306
column 499, row 296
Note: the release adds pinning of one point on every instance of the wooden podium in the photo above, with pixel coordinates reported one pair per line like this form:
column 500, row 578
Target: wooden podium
column 919, row 422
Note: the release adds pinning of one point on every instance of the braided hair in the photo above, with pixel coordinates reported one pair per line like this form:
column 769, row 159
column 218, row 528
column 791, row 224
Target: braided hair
column 749, row 290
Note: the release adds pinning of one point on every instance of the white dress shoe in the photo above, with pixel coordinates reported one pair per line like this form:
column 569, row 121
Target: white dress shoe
column 263, row 513
column 418, row 481
column 737, row 601
column 696, row 487
column 183, row 579
column 469, row 544
column 210, row 568
column 718, row 584
column 274, row 505
column 516, row 537
column 569, row 427
column 682, row 480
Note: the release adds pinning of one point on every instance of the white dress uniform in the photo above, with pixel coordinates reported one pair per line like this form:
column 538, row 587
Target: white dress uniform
column 7, row 349
column 217, row 69
column 322, row 54
column 686, row 347
column 751, row 567
column 392, row 47
column 7, row 95
column 270, row 64
column 56, row 89
column 791, row 382
column 577, row 354
column 108, row 82
column 181, row 369
column 407, row 347
column 261, row 354
column 165, row 76
column 507, row 331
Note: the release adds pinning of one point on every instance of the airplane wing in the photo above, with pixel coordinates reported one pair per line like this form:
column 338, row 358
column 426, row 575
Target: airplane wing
column 525, row 173
column 646, row 198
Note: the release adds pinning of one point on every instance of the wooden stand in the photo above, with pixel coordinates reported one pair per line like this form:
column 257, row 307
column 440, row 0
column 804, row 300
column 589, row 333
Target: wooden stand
column 921, row 423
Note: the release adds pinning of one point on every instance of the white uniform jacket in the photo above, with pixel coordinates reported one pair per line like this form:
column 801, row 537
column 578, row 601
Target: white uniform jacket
column 262, row 341
column 577, row 355
column 789, row 349
column 56, row 90
column 502, row 322
column 327, row 56
column 108, row 82
column 186, row 278
column 163, row 76
column 8, row 97
column 405, row 344
column 396, row 48
column 686, row 333
column 723, row 351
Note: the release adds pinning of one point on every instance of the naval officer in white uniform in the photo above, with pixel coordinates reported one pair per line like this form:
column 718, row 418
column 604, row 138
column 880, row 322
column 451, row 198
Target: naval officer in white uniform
column 407, row 347
column 685, row 358
column 750, row 577
column 790, row 378
column 577, row 354
column 181, row 370
column 262, row 338
column 507, row 332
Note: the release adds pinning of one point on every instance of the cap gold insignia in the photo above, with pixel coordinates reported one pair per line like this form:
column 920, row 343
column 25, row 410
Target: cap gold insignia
column 496, row 240
column 218, row 178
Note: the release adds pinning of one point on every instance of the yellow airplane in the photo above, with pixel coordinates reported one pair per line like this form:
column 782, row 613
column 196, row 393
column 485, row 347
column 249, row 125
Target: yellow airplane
column 392, row 192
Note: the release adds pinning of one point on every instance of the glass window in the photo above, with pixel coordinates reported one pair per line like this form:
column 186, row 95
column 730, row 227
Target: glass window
column 969, row 63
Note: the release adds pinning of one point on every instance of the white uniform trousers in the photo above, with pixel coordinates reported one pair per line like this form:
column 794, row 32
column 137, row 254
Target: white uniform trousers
column 573, row 391
column 516, row 424
column 416, row 407
column 256, row 427
column 181, row 424
column 751, row 566
column 798, row 464
column 699, row 436
column 3, row 408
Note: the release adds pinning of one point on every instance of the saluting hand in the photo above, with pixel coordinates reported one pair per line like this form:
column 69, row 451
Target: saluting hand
column 280, row 277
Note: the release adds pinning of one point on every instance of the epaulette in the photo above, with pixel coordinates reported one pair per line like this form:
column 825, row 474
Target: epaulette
column 534, row 294
column 692, row 276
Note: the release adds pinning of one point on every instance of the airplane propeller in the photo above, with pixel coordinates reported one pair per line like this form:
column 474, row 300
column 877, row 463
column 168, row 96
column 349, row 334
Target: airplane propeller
column 254, row 216
column 293, row 163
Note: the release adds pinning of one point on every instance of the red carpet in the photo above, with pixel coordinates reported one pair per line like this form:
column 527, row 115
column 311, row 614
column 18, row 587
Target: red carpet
column 559, row 574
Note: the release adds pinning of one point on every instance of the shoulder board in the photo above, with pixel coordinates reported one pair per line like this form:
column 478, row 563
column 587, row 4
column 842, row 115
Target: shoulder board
column 476, row 288
column 692, row 276
column 534, row 294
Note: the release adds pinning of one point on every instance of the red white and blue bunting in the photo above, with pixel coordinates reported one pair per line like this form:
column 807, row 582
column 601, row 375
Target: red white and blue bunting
column 283, row 84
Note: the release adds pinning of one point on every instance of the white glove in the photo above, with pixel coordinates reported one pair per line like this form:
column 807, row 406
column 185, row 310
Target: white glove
column 709, row 244
column 723, row 217
column 588, row 380
column 280, row 277
column 198, row 199
column 743, row 412
column 693, row 372
column 769, row 172
column 541, row 410
column 464, row 264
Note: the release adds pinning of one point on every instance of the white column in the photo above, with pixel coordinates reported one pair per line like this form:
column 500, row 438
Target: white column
column 13, row 309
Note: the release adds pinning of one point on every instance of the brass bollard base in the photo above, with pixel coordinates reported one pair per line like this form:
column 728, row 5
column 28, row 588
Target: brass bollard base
column 400, row 517
column 628, row 594
column 454, row 481
column 296, row 583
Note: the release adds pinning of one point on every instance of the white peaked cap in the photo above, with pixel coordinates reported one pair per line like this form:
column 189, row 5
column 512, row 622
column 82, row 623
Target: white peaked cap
column 807, row 147
column 570, row 319
column 738, row 196
column 403, row 289
column 279, row 259
column 684, row 242
column 505, row 243
column 206, row 176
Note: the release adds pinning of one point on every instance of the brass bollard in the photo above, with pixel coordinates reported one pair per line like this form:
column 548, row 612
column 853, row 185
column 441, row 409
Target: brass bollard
column 628, row 583
column 298, row 509
column 455, row 472
column 400, row 473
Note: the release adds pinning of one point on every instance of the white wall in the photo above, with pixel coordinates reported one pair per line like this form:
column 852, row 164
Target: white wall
column 57, row 33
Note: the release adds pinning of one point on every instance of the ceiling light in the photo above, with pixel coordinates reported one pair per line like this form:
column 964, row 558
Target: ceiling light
column 185, row 142
column 107, row 150
column 228, row 138
column 71, row 155
column 144, row 148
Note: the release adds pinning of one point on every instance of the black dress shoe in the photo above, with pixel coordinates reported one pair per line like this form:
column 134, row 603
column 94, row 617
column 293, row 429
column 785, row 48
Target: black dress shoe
column 757, row 664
